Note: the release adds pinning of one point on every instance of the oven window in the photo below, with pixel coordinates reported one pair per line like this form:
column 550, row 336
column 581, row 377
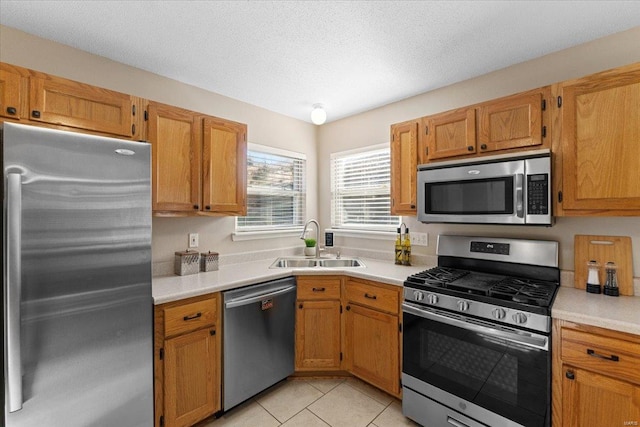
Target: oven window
column 473, row 197
column 504, row 377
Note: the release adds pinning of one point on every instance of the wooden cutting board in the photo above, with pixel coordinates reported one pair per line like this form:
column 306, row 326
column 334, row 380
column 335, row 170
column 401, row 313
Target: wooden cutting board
column 604, row 249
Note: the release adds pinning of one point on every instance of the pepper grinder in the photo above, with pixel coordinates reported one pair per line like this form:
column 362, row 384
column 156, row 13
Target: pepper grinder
column 611, row 284
column 593, row 281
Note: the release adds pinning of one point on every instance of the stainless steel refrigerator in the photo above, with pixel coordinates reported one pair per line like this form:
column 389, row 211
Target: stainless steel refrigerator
column 77, row 312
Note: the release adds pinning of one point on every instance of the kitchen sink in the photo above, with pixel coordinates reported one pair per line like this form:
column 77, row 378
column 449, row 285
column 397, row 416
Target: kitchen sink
column 315, row 262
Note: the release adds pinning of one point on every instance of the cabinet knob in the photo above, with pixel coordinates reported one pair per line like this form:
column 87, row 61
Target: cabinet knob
column 196, row 207
column 570, row 375
column 483, row 146
column 413, row 206
column 35, row 114
column 348, row 307
column 300, row 306
column 470, row 148
column 212, row 332
column 207, row 207
column 12, row 111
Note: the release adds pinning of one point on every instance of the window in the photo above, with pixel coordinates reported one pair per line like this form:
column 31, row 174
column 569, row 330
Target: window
column 360, row 190
column 276, row 190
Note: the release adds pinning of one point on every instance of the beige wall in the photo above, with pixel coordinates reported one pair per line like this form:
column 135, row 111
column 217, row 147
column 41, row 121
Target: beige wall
column 264, row 127
column 372, row 127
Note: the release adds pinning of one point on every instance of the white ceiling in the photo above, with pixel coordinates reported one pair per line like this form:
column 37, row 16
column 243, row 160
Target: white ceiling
column 351, row 56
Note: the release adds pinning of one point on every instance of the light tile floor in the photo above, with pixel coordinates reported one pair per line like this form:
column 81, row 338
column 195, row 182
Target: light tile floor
column 317, row 402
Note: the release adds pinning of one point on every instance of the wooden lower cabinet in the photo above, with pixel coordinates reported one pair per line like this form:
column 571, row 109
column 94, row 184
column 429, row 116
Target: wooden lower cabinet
column 187, row 361
column 371, row 347
column 190, row 376
column 595, row 376
column 372, row 333
column 318, row 335
column 594, row 400
column 318, row 323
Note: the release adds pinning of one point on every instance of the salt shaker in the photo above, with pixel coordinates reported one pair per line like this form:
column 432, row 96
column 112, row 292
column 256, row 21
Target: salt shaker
column 611, row 283
column 593, row 281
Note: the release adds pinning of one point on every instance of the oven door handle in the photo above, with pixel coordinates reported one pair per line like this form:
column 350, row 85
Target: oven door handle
column 522, row 338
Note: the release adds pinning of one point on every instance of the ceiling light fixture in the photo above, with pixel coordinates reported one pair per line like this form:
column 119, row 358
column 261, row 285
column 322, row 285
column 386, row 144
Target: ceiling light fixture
column 318, row 115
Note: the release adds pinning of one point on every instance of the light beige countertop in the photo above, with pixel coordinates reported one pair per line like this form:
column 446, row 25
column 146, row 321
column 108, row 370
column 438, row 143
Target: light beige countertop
column 617, row 313
column 173, row 288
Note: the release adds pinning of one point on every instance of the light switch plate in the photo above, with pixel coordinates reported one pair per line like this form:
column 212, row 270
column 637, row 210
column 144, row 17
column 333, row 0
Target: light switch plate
column 193, row 240
column 419, row 239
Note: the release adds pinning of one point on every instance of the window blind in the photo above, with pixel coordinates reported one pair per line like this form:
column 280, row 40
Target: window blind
column 360, row 190
column 276, row 192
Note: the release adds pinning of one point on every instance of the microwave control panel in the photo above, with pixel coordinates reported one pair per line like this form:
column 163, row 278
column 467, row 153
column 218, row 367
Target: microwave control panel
column 538, row 194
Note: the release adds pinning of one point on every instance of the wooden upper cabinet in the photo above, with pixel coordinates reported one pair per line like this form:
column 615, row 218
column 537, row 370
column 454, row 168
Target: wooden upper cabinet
column 63, row 102
column 174, row 134
column 450, row 134
column 601, row 143
column 10, row 94
column 511, row 122
column 404, row 166
column 224, row 167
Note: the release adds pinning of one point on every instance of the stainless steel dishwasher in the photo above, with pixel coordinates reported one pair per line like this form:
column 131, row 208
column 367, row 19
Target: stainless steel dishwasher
column 259, row 346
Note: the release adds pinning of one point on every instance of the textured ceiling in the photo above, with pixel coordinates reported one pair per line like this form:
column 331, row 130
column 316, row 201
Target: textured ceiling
column 351, row 56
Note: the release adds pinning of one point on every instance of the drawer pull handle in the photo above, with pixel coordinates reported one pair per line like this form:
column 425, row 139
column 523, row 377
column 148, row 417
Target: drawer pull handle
column 613, row 357
column 370, row 296
column 195, row 316
column 318, row 289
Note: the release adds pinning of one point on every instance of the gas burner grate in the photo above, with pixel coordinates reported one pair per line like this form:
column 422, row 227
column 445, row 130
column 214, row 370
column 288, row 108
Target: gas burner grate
column 438, row 276
column 525, row 291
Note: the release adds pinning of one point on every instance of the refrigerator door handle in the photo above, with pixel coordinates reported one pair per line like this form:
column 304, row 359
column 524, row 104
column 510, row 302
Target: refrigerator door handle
column 14, row 277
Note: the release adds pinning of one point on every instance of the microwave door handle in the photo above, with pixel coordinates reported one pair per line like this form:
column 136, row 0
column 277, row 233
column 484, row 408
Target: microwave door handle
column 14, row 278
column 519, row 195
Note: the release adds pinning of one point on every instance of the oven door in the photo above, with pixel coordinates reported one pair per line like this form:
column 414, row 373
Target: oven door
column 485, row 371
column 480, row 193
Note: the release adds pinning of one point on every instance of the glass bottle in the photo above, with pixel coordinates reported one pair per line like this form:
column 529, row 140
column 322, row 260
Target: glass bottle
column 406, row 249
column 398, row 250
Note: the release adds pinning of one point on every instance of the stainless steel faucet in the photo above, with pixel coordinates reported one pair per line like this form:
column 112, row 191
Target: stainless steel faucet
column 317, row 234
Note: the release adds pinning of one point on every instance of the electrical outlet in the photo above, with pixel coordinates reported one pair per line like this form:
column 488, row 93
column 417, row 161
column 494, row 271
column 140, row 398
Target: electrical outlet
column 193, row 240
column 419, row 239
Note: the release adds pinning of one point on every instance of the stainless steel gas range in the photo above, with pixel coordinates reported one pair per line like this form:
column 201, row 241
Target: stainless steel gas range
column 476, row 334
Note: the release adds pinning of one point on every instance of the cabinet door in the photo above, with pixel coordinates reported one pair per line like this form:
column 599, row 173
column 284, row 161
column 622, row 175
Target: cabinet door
column 404, row 163
column 372, row 347
column 175, row 136
column 224, row 172
column 511, row 122
column 600, row 143
column 191, row 378
column 318, row 335
column 10, row 96
column 450, row 134
column 67, row 103
column 592, row 400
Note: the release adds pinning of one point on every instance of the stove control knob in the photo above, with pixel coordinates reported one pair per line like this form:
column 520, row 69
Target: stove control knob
column 498, row 313
column 463, row 305
column 520, row 318
column 418, row 296
column 432, row 298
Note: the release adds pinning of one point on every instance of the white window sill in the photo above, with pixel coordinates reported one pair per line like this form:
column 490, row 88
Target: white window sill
column 257, row 235
column 363, row 234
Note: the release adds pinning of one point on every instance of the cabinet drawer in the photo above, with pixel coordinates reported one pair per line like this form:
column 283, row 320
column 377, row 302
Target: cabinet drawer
column 318, row 288
column 609, row 356
column 369, row 295
column 189, row 317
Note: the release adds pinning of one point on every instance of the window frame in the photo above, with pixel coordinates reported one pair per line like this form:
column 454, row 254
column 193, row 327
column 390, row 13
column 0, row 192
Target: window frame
column 378, row 230
column 270, row 231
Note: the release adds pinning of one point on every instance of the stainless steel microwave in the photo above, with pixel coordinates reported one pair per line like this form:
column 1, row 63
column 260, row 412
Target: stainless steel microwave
column 502, row 189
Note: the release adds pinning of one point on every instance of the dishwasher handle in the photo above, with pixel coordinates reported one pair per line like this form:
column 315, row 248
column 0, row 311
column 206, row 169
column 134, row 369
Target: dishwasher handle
column 251, row 298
